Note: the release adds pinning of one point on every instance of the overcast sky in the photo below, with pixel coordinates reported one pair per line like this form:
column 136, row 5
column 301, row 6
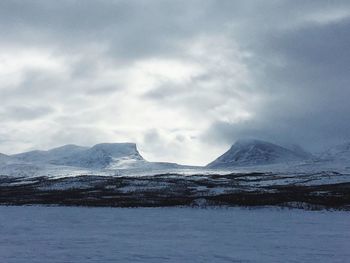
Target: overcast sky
column 182, row 79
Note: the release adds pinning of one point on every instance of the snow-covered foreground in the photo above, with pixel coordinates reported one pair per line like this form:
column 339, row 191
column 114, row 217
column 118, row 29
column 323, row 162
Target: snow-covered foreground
column 62, row 234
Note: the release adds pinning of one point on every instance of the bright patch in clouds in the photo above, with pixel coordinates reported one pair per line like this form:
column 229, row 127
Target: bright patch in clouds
column 182, row 79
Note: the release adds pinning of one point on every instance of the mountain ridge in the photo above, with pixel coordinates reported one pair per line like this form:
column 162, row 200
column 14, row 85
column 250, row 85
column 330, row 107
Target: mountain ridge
column 115, row 156
column 100, row 156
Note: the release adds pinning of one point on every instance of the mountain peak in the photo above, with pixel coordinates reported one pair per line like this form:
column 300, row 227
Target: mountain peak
column 117, row 149
column 247, row 152
column 102, row 155
column 250, row 141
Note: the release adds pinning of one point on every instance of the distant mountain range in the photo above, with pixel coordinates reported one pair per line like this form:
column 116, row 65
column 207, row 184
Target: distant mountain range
column 99, row 156
column 116, row 156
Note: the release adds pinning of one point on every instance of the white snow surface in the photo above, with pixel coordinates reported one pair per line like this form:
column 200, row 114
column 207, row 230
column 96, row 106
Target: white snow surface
column 62, row 234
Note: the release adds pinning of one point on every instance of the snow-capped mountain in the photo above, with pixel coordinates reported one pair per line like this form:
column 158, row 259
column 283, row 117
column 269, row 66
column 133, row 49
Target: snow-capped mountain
column 49, row 156
column 257, row 152
column 104, row 156
column 99, row 156
column 124, row 158
column 299, row 151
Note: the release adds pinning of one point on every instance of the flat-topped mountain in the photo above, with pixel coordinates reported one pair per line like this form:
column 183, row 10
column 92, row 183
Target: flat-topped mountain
column 257, row 152
column 99, row 156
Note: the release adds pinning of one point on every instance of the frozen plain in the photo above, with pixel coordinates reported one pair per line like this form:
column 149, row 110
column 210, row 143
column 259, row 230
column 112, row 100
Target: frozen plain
column 61, row 234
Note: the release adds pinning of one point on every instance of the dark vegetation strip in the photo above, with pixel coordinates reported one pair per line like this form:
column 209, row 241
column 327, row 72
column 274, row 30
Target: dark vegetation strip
column 170, row 190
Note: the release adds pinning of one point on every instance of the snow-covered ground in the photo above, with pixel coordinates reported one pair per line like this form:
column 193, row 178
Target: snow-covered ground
column 61, row 234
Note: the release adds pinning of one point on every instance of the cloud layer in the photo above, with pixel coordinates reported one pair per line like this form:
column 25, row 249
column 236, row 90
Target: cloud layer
column 182, row 79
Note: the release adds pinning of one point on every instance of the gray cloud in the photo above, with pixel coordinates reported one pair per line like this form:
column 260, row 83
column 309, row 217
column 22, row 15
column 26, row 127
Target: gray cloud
column 311, row 89
column 184, row 79
column 23, row 113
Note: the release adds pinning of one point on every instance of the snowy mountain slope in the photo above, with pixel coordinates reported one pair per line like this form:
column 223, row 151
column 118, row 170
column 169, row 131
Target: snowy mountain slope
column 256, row 152
column 14, row 167
column 103, row 155
column 50, row 155
column 299, row 151
column 99, row 156
column 4, row 158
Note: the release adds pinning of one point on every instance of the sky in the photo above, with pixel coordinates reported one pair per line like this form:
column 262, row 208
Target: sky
column 182, row 79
